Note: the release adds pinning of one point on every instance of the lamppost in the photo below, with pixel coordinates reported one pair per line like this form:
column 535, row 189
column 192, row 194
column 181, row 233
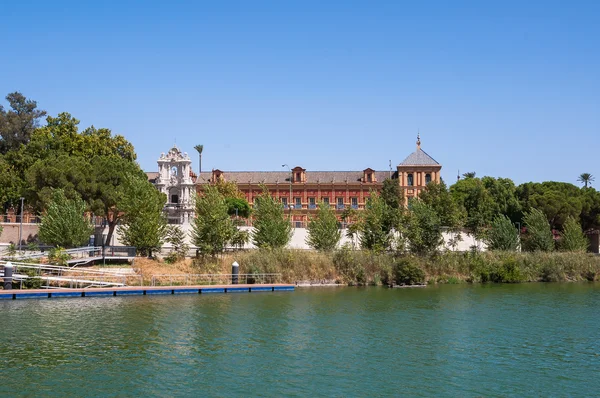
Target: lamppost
column 21, row 225
column 290, row 197
column 199, row 148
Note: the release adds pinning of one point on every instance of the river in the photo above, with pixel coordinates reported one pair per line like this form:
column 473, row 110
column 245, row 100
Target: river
column 451, row 340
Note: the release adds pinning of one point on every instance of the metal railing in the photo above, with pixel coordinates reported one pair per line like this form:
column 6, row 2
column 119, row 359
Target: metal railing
column 212, row 279
column 54, row 276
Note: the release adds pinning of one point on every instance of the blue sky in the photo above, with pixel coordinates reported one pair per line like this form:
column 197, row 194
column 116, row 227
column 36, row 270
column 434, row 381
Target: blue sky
column 505, row 88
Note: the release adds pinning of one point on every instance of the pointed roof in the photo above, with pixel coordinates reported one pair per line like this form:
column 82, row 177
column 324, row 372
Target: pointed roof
column 419, row 158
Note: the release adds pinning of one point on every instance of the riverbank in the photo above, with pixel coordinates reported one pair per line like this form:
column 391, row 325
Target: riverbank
column 368, row 268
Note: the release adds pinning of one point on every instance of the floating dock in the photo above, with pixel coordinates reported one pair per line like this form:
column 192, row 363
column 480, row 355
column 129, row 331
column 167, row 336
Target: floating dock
column 141, row 291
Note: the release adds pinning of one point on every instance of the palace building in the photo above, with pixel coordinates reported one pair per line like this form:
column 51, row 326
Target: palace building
column 301, row 190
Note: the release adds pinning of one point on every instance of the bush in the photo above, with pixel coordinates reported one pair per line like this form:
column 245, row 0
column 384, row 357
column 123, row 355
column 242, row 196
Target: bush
column 408, row 273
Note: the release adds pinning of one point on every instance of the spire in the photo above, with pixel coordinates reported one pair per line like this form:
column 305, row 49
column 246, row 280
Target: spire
column 418, row 140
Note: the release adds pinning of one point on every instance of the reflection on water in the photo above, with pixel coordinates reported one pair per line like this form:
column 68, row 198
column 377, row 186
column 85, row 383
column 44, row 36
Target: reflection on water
column 519, row 340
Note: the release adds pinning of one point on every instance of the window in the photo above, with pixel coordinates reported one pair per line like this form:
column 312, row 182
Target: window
column 312, row 203
column 427, row 178
column 370, row 177
column 354, row 202
column 284, row 202
column 298, row 177
column 340, row 203
column 409, row 180
column 174, row 198
column 174, row 171
column 326, row 200
column 298, row 203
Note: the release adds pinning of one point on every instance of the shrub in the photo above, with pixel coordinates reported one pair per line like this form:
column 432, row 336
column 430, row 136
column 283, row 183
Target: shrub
column 407, row 272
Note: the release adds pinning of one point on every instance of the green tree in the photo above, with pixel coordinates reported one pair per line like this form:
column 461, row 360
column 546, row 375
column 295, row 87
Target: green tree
column 423, row 231
column 572, row 238
column 470, row 174
column 101, row 181
column 391, row 193
column 271, row 228
column 539, row 235
column 61, row 135
column 176, row 237
column 240, row 239
column 143, row 222
column 18, row 123
column 238, row 207
column 503, row 235
column 375, row 233
column 590, row 212
column 557, row 200
column 11, row 185
column 323, row 231
column 472, row 195
column 64, row 223
column 438, row 198
column 503, row 193
column 586, row 179
column 213, row 228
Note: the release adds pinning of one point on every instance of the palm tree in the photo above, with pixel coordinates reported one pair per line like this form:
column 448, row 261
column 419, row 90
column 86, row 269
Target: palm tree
column 585, row 179
column 470, row 174
column 199, row 148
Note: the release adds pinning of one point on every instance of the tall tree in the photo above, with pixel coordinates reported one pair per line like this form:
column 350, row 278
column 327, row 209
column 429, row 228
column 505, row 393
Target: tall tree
column 557, row 200
column 423, row 232
column 64, row 223
column 572, row 238
column 271, row 228
column 470, row 174
column 18, row 123
column 438, row 198
column 590, row 212
column 539, row 235
column 213, row 228
column 503, row 235
column 61, row 135
column 472, row 195
column 144, row 224
column 586, row 179
column 176, row 237
column 323, row 231
column 374, row 233
column 503, row 193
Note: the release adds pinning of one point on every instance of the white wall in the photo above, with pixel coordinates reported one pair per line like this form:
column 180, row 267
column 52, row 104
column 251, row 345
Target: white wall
column 299, row 235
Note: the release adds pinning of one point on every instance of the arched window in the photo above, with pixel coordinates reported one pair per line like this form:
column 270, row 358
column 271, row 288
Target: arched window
column 409, row 179
column 174, row 170
column 427, row 178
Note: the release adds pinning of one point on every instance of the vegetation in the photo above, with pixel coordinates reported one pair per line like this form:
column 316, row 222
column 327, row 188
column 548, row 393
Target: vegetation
column 503, row 235
column 272, row 230
column 586, row 179
column 323, row 231
column 572, row 239
column 375, row 233
column 64, row 223
column 539, row 236
column 423, row 231
column 176, row 237
column 213, row 228
column 144, row 224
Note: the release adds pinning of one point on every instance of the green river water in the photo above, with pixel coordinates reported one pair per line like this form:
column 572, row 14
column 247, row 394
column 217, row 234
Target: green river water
column 535, row 340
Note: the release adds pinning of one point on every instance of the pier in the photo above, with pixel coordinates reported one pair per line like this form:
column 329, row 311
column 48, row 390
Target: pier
column 142, row 291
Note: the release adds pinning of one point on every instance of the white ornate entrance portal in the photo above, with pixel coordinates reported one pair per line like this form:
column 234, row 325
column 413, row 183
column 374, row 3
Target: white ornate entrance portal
column 175, row 181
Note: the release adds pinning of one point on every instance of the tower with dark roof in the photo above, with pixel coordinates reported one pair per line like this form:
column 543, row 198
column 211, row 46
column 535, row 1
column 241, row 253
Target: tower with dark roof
column 416, row 171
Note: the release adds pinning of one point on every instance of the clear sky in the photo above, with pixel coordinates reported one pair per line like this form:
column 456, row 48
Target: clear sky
column 503, row 88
